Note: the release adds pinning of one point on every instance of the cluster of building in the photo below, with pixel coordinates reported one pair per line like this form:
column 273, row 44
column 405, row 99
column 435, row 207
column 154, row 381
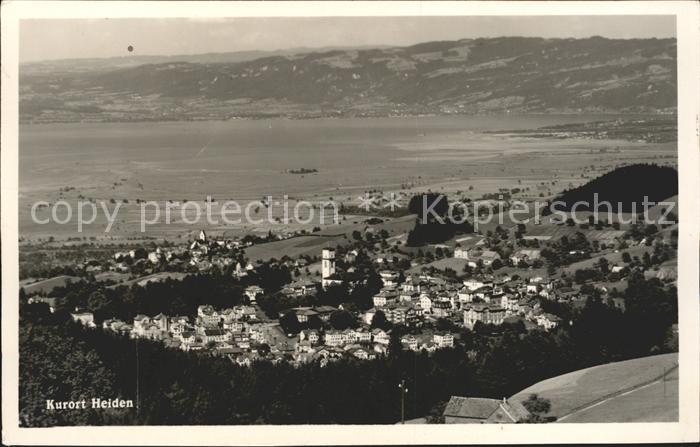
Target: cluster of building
column 423, row 298
column 200, row 255
column 478, row 255
column 362, row 343
column 203, row 253
column 236, row 332
column 410, row 301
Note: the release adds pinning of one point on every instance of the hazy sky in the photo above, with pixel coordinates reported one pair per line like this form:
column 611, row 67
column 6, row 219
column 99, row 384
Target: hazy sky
column 44, row 39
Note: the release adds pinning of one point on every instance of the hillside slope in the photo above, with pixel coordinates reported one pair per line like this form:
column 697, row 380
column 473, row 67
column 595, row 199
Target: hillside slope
column 626, row 188
column 604, row 388
column 508, row 74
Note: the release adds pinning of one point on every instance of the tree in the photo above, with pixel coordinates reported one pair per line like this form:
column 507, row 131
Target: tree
column 395, row 347
column 436, row 413
column 379, row 320
column 538, row 408
column 604, row 265
column 443, row 324
column 342, row 320
column 97, row 302
column 140, row 253
column 290, row 323
column 314, row 322
column 264, row 349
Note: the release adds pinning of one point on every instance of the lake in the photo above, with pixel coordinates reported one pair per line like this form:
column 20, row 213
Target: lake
column 249, row 159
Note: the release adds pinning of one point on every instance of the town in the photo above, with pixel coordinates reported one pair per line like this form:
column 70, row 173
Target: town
column 372, row 295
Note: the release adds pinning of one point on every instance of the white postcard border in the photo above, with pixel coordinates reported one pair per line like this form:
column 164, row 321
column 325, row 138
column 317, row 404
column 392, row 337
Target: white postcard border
column 686, row 429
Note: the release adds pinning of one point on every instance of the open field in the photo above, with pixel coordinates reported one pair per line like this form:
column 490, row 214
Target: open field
column 330, row 237
column 153, row 278
column 576, row 390
column 441, row 264
column 45, row 286
column 558, row 231
column 656, row 402
column 293, row 247
column 612, row 257
column 112, row 276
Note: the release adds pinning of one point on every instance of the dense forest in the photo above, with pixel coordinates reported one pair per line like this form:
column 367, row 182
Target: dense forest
column 435, row 222
column 63, row 361
column 625, row 188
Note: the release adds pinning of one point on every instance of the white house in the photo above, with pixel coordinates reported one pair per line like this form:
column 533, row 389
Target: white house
column 473, row 284
column 485, row 314
column 445, row 340
column 461, row 253
column 335, row 338
column 214, row 335
column 410, row 342
column 510, row 303
column 488, row 257
column 360, row 336
column 525, row 255
column 426, row 303
column 379, row 300
column 548, row 321
column 84, row 318
column 310, row 335
column 252, row 292
column 368, row 316
column 389, row 278
column 380, row 336
column 208, row 315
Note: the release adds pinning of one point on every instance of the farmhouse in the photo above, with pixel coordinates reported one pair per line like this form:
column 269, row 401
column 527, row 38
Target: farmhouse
column 477, row 410
column 525, row 256
column 548, row 321
column 84, row 318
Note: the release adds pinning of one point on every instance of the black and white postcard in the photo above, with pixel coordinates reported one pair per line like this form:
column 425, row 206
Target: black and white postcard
column 349, row 223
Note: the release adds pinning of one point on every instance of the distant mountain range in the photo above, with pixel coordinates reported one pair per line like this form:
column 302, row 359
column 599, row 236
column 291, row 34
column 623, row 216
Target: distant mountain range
column 495, row 75
column 120, row 62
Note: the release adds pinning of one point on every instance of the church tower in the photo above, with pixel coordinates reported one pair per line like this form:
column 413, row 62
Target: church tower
column 327, row 263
